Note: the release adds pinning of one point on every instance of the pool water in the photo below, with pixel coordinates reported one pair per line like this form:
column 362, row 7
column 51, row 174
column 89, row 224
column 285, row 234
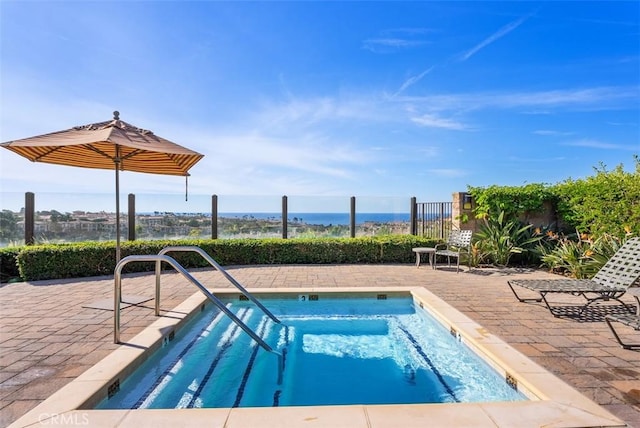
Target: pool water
column 337, row 351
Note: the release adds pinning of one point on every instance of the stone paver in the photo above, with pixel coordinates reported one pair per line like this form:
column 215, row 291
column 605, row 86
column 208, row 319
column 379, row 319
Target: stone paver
column 47, row 337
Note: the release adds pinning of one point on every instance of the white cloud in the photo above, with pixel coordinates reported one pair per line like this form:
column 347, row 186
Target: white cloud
column 374, row 44
column 543, row 160
column 551, row 133
column 595, row 144
column 494, row 37
column 396, row 39
column 433, row 121
column 303, row 112
column 596, row 98
column 429, row 151
column 413, row 80
column 448, row 172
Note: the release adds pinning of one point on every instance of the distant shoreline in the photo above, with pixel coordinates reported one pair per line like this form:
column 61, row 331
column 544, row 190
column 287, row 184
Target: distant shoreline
column 324, row 219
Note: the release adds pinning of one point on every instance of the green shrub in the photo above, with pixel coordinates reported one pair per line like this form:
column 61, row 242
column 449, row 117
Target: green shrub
column 606, row 203
column 56, row 261
column 9, row 264
column 606, row 206
column 512, row 200
column 579, row 256
column 569, row 256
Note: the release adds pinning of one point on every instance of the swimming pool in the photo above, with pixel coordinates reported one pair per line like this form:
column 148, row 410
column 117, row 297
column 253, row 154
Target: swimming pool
column 369, row 349
column 550, row 400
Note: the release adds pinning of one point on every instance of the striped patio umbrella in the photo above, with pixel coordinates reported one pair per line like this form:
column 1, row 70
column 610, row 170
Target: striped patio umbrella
column 113, row 145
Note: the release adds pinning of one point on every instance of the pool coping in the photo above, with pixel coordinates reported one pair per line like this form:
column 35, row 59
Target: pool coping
column 554, row 402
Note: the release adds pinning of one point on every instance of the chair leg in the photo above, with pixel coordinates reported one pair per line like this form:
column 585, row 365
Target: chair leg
column 553, row 312
column 615, row 334
column 520, row 299
column 605, row 297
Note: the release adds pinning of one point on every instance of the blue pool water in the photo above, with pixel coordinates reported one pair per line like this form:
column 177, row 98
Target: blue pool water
column 337, row 351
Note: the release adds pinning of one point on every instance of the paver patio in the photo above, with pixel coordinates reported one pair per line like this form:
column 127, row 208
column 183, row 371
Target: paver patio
column 48, row 337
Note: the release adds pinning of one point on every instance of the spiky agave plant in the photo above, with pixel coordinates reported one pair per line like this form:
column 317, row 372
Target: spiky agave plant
column 500, row 238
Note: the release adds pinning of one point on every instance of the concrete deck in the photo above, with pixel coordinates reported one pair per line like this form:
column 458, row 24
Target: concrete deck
column 48, row 337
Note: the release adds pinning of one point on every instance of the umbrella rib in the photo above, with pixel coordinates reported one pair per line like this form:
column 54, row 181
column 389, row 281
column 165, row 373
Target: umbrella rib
column 100, row 152
column 132, row 154
column 47, row 153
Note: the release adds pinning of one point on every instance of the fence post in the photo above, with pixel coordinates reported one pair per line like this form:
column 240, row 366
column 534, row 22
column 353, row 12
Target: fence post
column 352, row 217
column 29, row 218
column 414, row 216
column 284, row 217
column 214, row 217
column 441, row 216
column 131, row 215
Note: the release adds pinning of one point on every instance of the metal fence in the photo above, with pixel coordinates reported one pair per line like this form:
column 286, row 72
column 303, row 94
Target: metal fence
column 434, row 219
column 426, row 219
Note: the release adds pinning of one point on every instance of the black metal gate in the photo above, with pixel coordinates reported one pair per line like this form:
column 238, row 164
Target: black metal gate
column 434, row 219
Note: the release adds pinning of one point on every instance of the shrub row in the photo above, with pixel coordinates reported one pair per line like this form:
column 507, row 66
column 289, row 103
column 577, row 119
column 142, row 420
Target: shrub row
column 606, row 203
column 56, row 261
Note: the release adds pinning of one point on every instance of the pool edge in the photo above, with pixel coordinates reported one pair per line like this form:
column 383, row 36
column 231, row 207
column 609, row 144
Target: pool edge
column 557, row 402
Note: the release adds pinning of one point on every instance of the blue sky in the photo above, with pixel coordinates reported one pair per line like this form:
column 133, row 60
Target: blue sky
column 328, row 99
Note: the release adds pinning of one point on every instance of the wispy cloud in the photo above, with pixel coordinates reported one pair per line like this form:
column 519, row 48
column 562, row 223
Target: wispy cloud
column 634, row 124
column 444, row 111
column 433, row 121
column 494, row 37
column 448, row 172
column 597, row 98
column 306, row 112
column 551, row 133
column 310, row 153
column 596, row 144
column 397, row 39
column 375, row 44
column 303, row 162
column 429, row 151
column 538, row 160
column 412, row 81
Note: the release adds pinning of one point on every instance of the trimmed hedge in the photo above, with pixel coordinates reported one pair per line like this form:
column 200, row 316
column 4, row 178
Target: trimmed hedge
column 56, row 261
column 8, row 264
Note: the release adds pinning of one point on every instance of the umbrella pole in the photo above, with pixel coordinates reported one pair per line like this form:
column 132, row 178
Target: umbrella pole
column 117, row 165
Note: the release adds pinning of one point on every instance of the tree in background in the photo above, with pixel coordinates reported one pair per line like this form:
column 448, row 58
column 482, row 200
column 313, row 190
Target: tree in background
column 9, row 229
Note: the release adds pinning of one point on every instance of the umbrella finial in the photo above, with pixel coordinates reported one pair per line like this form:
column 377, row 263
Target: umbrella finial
column 116, row 115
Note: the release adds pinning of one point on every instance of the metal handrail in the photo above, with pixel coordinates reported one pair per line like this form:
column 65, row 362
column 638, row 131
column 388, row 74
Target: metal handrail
column 170, row 260
column 220, row 269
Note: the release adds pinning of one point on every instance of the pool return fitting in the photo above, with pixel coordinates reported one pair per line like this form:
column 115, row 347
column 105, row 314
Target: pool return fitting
column 162, row 257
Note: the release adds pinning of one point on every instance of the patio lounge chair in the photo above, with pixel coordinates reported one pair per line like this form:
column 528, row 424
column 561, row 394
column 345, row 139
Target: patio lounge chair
column 459, row 242
column 632, row 321
column 611, row 281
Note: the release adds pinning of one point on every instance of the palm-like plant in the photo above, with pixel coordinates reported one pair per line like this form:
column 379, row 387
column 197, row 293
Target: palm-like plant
column 569, row 256
column 500, row 238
